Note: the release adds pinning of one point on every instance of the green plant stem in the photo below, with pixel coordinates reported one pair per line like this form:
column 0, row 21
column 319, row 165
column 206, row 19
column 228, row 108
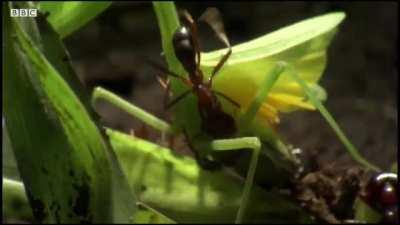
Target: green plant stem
column 331, row 121
column 135, row 111
column 168, row 22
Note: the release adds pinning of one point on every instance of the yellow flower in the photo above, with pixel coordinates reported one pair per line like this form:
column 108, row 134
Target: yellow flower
column 303, row 46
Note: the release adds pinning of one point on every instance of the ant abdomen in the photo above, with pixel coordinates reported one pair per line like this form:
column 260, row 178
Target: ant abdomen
column 217, row 124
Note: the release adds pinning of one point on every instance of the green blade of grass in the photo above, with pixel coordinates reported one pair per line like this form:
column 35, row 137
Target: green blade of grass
column 10, row 169
column 15, row 202
column 67, row 17
column 123, row 201
column 60, row 152
column 168, row 23
column 54, row 50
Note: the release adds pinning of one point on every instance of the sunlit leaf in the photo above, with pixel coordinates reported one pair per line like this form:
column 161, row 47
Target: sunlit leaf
column 302, row 45
column 67, row 17
column 60, row 153
column 178, row 188
column 15, row 202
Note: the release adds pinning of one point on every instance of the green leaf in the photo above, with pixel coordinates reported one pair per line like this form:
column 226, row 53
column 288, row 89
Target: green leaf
column 67, row 17
column 146, row 215
column 15, row 202
column 177, row 187
column 281, row 40
column 10, row 169
column 122, row 200
column 61, row 155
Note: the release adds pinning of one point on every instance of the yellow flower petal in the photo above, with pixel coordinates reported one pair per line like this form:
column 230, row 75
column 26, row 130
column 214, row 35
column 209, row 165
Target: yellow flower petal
column 269, row 113
column 287, row 103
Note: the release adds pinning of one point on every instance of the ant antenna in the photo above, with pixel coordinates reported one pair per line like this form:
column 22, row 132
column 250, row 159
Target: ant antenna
column 213, row 18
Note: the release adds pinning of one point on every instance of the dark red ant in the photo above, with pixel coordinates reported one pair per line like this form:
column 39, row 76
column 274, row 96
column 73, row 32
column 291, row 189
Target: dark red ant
column 214, row 121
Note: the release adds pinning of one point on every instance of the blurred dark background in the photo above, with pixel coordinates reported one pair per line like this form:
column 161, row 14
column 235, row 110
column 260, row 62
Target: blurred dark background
column 360, row 78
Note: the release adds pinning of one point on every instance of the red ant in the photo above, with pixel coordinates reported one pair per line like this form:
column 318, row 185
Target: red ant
column 214, row 121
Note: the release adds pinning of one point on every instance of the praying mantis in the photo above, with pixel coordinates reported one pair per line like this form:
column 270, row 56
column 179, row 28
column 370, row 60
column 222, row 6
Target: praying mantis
column 275, row 73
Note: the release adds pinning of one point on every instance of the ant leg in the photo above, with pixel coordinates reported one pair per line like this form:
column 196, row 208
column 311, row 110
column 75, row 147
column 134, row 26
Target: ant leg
column 147, row 118
column 171, row 142
column 219, row 66
column 252, row 143
column 177, row 99
column 142, row 132
column 166, row 85
column 227, row 98
column 262, row 94
column 330, row 120
column 164, row 70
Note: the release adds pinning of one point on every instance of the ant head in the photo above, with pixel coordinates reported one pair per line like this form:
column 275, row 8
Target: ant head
column 184, row 48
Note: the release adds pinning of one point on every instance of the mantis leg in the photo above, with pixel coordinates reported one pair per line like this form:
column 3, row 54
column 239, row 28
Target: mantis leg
column 167, row 86
column 271, row 78
column 142, row 115
column 252, row 143
column 331, row 121
column 262, row 94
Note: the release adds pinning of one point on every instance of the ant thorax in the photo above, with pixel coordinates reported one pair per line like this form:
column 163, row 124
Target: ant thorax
column 205, row 97
column 196, row 77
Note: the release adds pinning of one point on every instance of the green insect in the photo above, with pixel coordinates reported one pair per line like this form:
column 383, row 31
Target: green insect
column 274, row 73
